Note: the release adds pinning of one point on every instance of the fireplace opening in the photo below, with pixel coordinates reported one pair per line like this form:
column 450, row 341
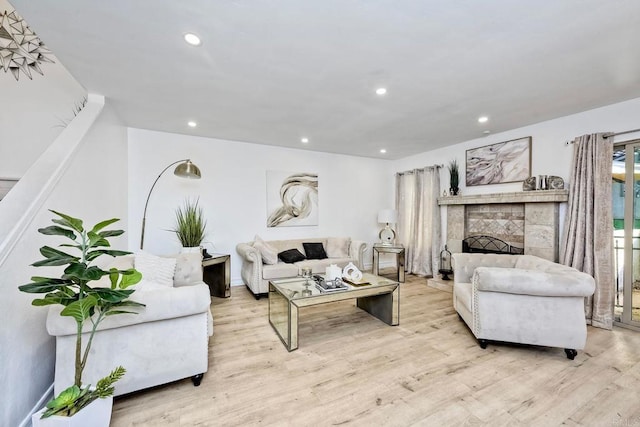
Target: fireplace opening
column 489, row 245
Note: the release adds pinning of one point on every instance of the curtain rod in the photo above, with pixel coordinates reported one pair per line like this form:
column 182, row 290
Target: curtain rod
column 409, row 172
column 610, row 135
column 621, row 133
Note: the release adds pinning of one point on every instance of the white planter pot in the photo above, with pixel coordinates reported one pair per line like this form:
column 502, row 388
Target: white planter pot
column 194, row 249
column 96, row 414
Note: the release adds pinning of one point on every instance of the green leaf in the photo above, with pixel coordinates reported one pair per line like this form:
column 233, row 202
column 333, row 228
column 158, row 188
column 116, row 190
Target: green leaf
column 59, row 297
column 80, row 271
column 68, row 221
column 111, row 295
column 42, row 287
column 104, row 387
column 111, row 233
column 130, row 277
column 99, row 226
column 113, row 312
column 54, row 230
column 81, row 309
column 54, row 257
column 66, row 397
column 98, row 252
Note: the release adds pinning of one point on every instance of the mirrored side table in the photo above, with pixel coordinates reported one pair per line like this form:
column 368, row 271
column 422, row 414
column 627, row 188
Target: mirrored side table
column 216, row 272
column 397, row 249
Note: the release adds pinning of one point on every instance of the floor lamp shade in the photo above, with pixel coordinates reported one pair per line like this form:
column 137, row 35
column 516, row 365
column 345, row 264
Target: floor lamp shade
column 185, row 169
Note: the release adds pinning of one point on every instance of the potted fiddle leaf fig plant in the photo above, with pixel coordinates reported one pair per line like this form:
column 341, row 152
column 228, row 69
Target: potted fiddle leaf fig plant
column 85, row 304
column 190, row 224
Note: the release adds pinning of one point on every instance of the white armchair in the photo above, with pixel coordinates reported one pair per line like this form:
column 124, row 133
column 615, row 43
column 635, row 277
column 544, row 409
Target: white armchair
column 521, row 299
column 166, row 341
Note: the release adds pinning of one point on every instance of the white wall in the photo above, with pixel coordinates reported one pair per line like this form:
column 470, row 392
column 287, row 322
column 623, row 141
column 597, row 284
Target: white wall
column 232, row 191
column 33, row 111
column 549, row 154
column 94, row 187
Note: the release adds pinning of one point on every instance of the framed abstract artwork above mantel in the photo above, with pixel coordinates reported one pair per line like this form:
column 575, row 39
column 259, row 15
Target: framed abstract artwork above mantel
column 508, row 161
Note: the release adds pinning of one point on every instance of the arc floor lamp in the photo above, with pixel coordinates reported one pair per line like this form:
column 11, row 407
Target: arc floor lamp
column 185, row 169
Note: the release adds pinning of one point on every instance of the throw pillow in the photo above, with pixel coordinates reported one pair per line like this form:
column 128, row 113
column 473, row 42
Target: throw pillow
column 314, row 250
column 155, row 269
column 338, row 247
column 291, row 255
column 268, row 253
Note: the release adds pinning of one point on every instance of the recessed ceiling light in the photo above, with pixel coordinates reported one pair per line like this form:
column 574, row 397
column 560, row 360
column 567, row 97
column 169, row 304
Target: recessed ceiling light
column 383, row 151
column 192, row 39
column 487, row 132
column 304, row 140
column 483, row 119
column 381, row 91
column 192, row 124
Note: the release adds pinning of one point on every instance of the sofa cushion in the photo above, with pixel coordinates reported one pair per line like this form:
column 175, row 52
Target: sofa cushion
column 155, row 269
column 291, row 255
column 188, row 269
column 268, row 253
column 314, row 250
column 279, row 270
column 338, row 247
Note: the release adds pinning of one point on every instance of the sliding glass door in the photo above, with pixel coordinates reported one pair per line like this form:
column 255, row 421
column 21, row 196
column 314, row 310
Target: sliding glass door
column 626, row 234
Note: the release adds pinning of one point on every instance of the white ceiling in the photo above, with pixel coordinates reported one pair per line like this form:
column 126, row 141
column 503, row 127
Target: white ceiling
column 273, row 71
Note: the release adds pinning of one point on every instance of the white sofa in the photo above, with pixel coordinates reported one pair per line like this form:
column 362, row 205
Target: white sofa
column 521, row 299
column 256, row 274
column 166, row 341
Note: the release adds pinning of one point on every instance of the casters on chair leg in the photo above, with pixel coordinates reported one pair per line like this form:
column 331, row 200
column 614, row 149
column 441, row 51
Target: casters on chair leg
column 483, row 343
column 571, row 353
column 197, row 379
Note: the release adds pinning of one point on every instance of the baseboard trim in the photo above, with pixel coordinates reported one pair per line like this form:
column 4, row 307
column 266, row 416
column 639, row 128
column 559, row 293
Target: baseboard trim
column 41, row 402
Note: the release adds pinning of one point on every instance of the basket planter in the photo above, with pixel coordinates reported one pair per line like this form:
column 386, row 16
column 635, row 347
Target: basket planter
column 96, row 414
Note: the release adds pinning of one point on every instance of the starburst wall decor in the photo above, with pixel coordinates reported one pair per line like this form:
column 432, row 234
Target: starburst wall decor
column 20, row 48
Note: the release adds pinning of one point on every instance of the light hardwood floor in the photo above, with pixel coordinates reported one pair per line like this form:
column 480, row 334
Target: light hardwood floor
column 352, row 369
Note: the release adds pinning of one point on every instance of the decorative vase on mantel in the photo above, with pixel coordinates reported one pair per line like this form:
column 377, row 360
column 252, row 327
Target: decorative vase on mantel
column 454, row 178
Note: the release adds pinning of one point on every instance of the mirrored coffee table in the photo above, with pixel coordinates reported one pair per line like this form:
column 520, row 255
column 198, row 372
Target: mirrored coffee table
column 380, row 298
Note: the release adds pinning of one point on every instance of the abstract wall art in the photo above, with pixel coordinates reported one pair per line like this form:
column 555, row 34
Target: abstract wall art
column 508, row 161
column 292, row 199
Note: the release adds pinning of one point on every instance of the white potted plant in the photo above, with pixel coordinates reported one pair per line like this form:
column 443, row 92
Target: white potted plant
column 190, row 225
column 82, row 404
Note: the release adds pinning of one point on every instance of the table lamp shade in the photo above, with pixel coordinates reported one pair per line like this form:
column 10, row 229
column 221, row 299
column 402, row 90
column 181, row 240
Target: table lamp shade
column 388, row 216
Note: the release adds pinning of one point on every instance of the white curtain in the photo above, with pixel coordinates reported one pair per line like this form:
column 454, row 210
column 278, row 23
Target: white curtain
column 419, row 219
column 588, row 228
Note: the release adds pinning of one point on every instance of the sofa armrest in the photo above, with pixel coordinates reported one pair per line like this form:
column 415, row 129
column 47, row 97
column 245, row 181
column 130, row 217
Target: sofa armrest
column 248, row 253
column 356, row 252
column 531, row 282
column 160, row 304
column 464, row 264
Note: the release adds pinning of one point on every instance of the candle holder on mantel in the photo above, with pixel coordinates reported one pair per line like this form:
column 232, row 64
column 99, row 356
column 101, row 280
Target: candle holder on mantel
column 445, row 264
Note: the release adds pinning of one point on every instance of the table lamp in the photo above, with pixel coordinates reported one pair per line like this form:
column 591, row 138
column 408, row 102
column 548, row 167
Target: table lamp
column 387, row 234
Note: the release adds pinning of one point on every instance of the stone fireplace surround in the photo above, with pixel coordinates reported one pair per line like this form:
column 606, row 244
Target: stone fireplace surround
column 537, row 230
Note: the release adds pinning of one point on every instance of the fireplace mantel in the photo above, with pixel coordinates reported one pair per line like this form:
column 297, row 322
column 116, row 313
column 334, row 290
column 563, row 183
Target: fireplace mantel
column 541, row 196
column 541, row 217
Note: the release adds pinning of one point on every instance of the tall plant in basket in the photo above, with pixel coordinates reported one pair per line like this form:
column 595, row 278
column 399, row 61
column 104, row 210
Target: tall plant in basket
column 86, row 305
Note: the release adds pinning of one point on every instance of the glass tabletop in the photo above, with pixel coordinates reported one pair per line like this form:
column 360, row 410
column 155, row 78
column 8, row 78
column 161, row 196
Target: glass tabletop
column 300, row 287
